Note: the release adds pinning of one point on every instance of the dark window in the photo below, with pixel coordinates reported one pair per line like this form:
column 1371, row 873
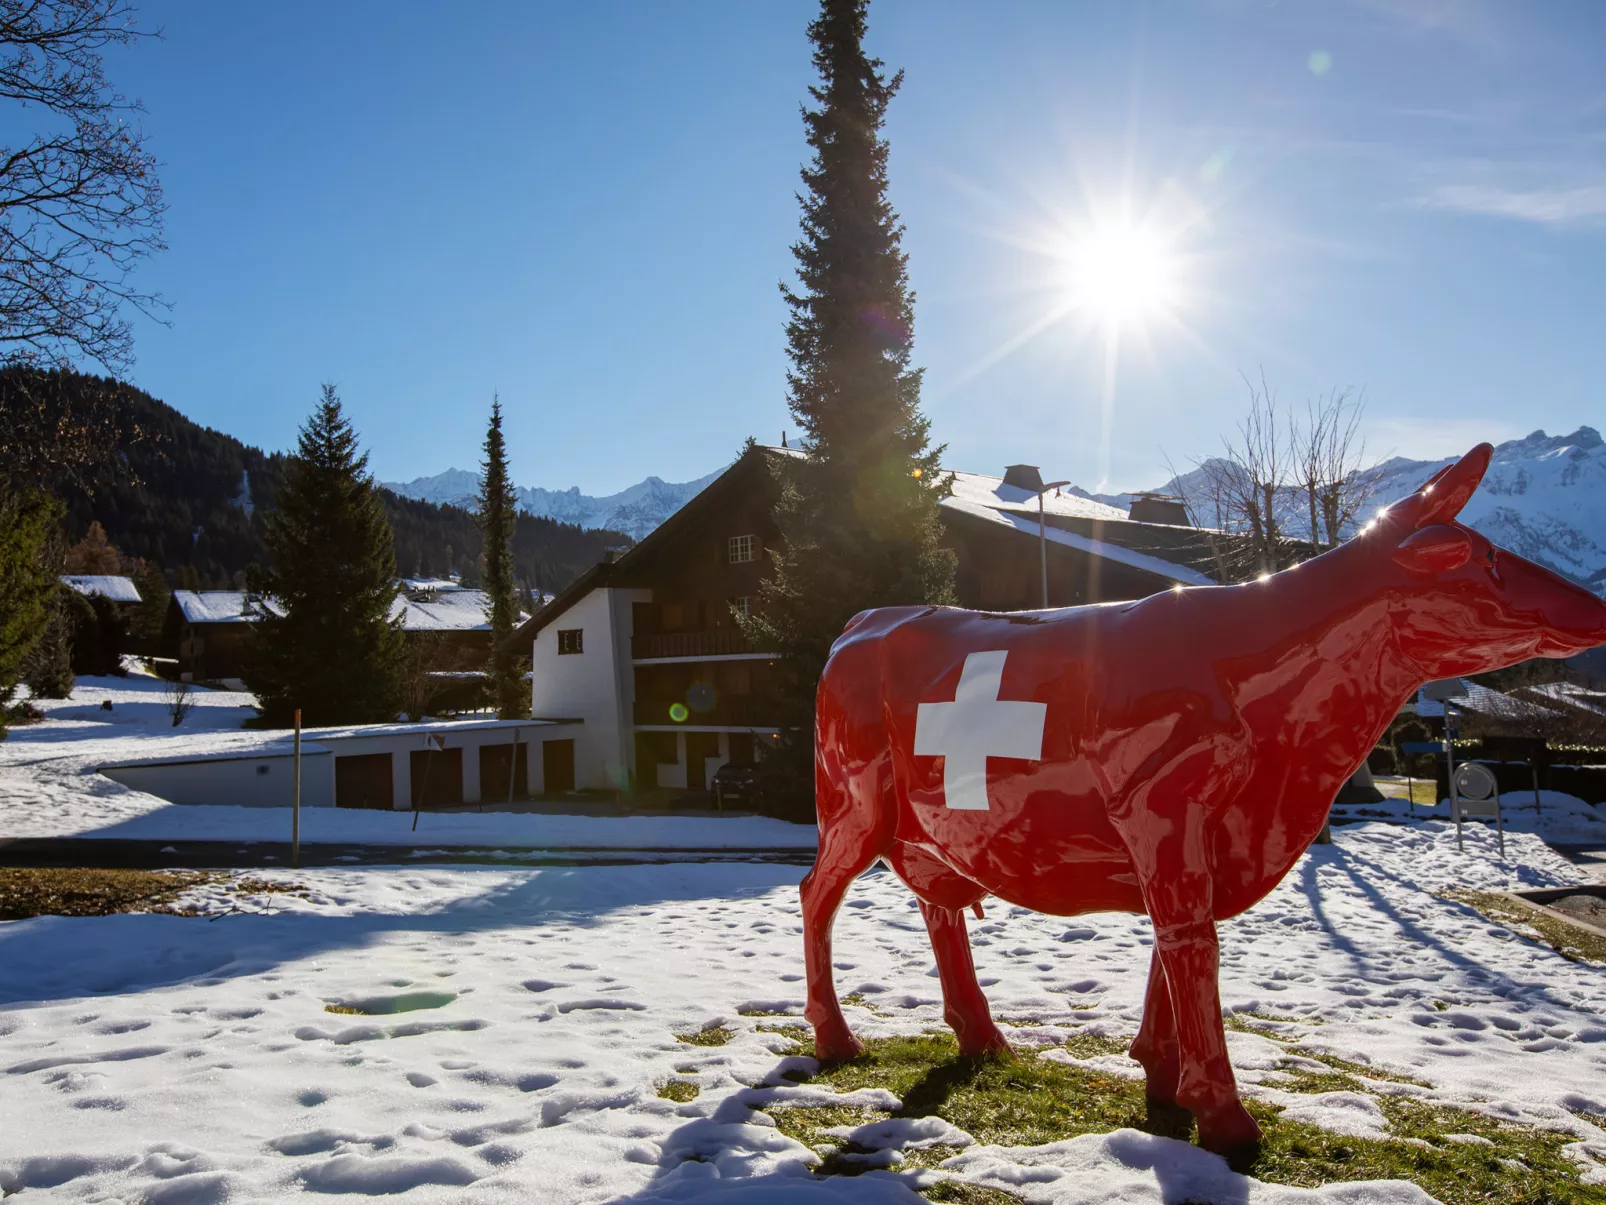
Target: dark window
column 569, row 640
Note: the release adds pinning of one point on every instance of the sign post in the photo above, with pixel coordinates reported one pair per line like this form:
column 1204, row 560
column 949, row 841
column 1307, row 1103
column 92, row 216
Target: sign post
column 295, row 800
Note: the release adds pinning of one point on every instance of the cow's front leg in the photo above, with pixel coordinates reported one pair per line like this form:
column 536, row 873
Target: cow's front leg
column 1186, row 942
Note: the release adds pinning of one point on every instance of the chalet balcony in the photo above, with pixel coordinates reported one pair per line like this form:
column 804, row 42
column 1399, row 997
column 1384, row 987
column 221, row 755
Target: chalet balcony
column 717, row 642
column 726, row 713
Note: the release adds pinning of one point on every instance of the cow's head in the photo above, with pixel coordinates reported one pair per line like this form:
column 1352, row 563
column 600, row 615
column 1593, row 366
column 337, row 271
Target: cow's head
column 1461, row 605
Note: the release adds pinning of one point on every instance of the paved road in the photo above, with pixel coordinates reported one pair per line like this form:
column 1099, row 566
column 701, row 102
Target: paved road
column 212, row 855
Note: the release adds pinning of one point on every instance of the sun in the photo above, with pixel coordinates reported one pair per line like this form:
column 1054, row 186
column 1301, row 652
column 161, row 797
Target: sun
column 1121, row 273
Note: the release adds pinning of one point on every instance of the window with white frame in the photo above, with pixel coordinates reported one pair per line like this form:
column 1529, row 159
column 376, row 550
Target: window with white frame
column 740, row 549
column 742, row 605
column 569, row 640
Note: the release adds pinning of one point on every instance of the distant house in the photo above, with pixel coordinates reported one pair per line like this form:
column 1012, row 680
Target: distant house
column 211, row 628
column 646, row 648
column 112, row 587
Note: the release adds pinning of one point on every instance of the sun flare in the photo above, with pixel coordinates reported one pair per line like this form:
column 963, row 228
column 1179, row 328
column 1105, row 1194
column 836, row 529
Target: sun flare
column 1122, row 273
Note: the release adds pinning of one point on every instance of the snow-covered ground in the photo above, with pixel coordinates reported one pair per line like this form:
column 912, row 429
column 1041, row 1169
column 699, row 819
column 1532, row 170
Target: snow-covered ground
column 517, row 1023
column 1555, row 817
column 50, row 787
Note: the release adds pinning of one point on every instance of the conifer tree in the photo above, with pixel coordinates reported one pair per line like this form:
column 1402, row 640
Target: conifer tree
column 28, row 523
column 496, row 517
column 326, row 643
column 858, row 512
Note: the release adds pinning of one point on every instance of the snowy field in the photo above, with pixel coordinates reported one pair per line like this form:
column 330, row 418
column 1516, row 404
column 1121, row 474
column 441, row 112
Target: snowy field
column 1556, row 817
column 501, row 1033
column 513, row 1026
column 50, row 787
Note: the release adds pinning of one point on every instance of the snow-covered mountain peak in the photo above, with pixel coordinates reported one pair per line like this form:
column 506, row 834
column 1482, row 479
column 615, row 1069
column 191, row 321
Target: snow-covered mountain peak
column 634, row 510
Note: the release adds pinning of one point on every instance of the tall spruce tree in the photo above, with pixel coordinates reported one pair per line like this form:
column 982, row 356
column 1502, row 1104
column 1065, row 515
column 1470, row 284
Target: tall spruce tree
column 497, row 503
column 858, row 512
column 326, row 643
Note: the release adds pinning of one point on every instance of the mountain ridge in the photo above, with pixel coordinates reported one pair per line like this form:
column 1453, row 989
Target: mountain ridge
column 1544, row 498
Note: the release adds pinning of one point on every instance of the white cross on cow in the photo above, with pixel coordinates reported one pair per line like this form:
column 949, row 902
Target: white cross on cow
column 975, row 726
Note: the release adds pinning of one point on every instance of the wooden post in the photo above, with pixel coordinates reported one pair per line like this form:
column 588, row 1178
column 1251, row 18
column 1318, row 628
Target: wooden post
column 295, row 801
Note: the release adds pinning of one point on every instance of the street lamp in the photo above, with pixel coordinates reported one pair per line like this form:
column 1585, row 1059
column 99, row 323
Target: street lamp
column 1027, row 477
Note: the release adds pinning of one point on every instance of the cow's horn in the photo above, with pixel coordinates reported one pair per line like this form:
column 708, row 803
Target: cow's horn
column 1448, row 490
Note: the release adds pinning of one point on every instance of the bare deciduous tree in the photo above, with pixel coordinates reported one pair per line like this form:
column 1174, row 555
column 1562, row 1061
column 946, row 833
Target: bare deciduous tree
column 80, row 204
column 1330, row 464
column 1251, row 493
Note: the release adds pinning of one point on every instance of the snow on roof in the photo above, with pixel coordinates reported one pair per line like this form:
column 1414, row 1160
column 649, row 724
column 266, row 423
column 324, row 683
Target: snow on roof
column 979, row 488
column 104, row 585
column 1485, row 702
column 454, row 610
column 430, row 583
column 216, row 606
column 1169, row 570
column 1572, row 695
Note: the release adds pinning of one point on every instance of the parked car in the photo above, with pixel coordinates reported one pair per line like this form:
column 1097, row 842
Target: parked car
column 732, row 782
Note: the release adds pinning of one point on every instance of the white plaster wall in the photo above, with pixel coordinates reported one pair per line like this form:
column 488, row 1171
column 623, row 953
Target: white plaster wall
column 596, row 686
column 236, row 782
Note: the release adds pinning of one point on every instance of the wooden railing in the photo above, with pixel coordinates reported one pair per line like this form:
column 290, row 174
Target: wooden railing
column 718, row 642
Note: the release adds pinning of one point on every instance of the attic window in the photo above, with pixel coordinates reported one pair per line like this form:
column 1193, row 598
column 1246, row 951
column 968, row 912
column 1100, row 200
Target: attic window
column 569, row 640
column 739, row 549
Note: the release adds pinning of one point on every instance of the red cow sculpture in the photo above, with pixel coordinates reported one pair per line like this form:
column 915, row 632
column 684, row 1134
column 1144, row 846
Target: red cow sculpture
column 1172, row 756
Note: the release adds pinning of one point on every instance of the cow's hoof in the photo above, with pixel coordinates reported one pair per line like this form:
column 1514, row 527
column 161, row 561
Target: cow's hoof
column 836, row 1045
column 1230, row 1132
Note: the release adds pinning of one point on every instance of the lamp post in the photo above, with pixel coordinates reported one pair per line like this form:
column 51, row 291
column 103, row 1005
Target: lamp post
column 1027, row 477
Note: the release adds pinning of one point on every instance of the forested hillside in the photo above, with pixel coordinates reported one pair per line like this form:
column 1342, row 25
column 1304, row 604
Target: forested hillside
column 192, row 500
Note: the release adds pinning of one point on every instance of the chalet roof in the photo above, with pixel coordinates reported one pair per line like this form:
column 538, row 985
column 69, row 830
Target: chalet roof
column 444, row 610
column 972, row 489
column 1173, row 554
column 109, row 586
column 1486, row 702
column 1099, row 544
column 453, row 610
column 216, row 606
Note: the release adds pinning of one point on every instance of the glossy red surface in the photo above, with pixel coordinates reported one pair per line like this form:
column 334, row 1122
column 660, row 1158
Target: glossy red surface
column 1188, row 748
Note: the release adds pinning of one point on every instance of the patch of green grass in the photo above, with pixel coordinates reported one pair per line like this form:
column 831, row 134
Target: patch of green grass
column 80, row 891
column 716, row 1035
column 762, row 1012
column 1091, row 1045
column 345, row 1010
column 860, row 1000
column 1346, row 1067
column 1030, row 1100
column 959, row 1193
column 1572, row 942
column 801, row 1034
column 678, row 1090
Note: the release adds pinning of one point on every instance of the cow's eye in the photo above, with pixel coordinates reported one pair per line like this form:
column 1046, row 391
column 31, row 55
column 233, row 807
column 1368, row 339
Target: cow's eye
column 1489, row 556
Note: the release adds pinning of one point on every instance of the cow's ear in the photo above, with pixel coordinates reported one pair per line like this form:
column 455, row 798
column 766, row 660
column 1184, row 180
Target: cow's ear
column 1435, row 549
column 1448, row 490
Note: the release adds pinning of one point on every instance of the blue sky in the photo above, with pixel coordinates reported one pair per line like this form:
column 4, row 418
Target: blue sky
column 588, row 209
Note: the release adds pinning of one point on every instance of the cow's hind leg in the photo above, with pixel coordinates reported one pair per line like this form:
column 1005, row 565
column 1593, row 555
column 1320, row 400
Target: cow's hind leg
column 964, row 1007
column 1156, row 1044
column 944, row 894
column 851, row 838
